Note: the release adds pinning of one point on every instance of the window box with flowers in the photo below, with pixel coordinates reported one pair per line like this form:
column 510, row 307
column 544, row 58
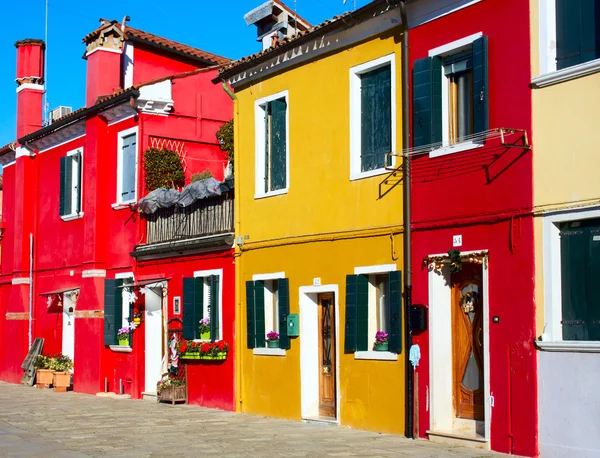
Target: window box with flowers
column 189, row 349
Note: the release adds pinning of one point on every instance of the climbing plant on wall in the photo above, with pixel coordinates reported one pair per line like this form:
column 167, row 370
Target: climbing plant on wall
column 163, row 169
column 225, row 137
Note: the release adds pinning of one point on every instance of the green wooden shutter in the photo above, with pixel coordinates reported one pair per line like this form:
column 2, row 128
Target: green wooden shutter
column 199, row 285
column 189, row 300
column 480, row 85
column 362, row 314
column 376, row 117
column 79, row 165
column 250, row 313
column 61, row 204
column 350, row 328
column 283, row 291
column 427, row 101
column 577, row 30
column 259, row 313
column 214, row 308
column 395, row 315
column 113, row 310
column 278, row 144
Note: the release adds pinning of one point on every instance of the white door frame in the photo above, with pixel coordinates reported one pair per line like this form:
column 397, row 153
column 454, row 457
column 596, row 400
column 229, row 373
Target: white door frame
column 440, row 349
column 154, row 336
column 309, row 349
column 68, row 330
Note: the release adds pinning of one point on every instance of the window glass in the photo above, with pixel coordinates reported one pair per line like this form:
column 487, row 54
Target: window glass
column 128, row 168
column 382, row 303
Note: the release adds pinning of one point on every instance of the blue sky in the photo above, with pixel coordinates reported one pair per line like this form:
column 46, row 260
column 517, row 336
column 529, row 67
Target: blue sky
column 214, row 26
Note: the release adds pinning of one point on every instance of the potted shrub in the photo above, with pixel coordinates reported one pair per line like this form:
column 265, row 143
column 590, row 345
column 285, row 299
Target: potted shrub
column 273, row 340
column 123, row 336
column 44, row 376
column 381, row 341
column 61, row 365
column 205, row 328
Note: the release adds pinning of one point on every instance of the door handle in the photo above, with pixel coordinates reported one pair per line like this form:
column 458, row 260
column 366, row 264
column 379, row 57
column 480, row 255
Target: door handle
column 479, row 337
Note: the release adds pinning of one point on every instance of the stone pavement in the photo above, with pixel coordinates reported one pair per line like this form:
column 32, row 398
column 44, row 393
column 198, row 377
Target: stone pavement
column 71, row 425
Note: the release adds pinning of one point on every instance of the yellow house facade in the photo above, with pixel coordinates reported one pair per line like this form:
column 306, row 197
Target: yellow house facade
column 566, row 96
column 319, row 224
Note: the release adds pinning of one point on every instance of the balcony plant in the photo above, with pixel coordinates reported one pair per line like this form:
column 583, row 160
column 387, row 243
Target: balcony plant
column 381, row 341
column 272, row 339
column 61, row 366
column 205, row 328
column 44, row 376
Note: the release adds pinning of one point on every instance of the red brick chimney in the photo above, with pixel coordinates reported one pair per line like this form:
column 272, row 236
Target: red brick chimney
column 30, row 81
column 103, row 53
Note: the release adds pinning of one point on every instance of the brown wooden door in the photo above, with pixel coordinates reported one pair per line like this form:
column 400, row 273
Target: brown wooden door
column 467, row 337
column 327, row 362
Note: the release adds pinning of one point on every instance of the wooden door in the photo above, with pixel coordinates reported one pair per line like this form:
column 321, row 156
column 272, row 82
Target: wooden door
column 467, row 341
column 327, row 356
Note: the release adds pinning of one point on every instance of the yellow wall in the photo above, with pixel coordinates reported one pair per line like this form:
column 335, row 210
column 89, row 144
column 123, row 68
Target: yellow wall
column 282, row 233
column 565, row 129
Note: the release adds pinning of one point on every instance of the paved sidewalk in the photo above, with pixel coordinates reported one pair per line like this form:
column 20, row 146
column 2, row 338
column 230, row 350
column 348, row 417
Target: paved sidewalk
column 43, row 423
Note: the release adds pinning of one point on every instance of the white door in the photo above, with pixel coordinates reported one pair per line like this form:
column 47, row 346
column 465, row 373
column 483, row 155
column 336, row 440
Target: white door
column 154, row 338
column 68, row 330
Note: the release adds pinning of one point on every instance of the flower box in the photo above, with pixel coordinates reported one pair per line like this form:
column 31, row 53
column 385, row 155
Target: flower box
column 190, row 355
column 221, row 356
column 44, row 378
column 172, row 394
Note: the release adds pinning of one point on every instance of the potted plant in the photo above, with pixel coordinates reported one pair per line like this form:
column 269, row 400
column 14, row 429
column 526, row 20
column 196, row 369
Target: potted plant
column 123, row 336
column 137, row 317
column 44, row 376
column 273, row 340
column 61, row 365
column 381, row 341
column 205, row 328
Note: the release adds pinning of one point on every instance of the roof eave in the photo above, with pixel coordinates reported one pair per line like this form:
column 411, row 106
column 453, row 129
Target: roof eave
column 171, row 50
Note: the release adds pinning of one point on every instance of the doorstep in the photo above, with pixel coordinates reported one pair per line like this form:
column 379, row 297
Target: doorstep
column 150, row 396
column 453, row 438
column 319, row 420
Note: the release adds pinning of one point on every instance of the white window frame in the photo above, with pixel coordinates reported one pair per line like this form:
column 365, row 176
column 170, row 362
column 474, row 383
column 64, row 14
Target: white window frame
column 125, row 310
column 369, row 271
column 269, row 312
column 121, row 135
column 453, row 47
column 74, row 180
column 204, row 274
column 260, row 142
column 552, row 335
column 547, row 49
column 355, row 114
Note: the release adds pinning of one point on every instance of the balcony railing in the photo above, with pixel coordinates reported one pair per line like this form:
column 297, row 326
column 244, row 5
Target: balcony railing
column 204, row 217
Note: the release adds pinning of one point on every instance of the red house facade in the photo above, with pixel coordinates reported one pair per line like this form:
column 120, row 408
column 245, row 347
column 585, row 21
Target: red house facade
column 80, row 259
column 472, row 223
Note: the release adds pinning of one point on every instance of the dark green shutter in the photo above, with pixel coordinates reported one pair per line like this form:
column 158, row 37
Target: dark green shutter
column 189, row 300
column 350, row 328
column 283, row 291
column 62, row 206
column 480, row 83
column 259, row 313
column 79, row 165
column 427, row 101
column 376, row 117
column 113, row 310
column 577, row 32
column 250, row 312
column 278, row 142
column 362, row 314
column 395, row 315
column 214, row 308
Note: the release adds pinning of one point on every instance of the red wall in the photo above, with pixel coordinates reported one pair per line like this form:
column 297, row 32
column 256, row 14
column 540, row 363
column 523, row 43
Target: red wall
column 486, row 196
column 151, row 63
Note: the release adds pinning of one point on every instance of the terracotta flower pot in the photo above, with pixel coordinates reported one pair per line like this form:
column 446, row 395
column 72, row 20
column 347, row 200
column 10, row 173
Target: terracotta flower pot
column 62, row 381
column 44, row 378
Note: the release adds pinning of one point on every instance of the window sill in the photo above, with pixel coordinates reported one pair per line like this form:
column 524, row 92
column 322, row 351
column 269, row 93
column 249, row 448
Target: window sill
column 123, row 205
column 566, row 74
column 279, row 192
column 569, row 346
column 269, row 351
column 120, row 348
column 376, row 355
column 371, row 173
column 457, row 148
column 72, row 216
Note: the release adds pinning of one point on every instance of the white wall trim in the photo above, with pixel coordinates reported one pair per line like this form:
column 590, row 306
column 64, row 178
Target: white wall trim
column 547, row 37
column 72, row 216
column 455, row 46
column 120, row 348
column 376, row 355
column 9, row 164
column 567, row 74
column 264, row 351
column 22, row 151
column 20, row 281
column 62, row 143
column 31, row 86
column 90, row 273
column 128, row 64
column 376, row 269
column 270, row 276
column 102, row 48
column 573, row 346
column 259, row 145
column 124, row 275
column 120, row 136
column 121, row 120
column 355, row 114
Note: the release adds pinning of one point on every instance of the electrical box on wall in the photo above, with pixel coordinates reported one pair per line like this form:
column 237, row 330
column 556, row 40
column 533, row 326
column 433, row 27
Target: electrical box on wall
column 418, row 317
column 293, row 325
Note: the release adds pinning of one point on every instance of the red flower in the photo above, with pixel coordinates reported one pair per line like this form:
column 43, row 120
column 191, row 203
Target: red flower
column 183, row 347
column 205, row 347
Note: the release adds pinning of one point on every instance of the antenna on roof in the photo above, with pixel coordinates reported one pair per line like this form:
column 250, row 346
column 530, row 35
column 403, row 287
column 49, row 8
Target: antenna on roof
column 46, row 69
